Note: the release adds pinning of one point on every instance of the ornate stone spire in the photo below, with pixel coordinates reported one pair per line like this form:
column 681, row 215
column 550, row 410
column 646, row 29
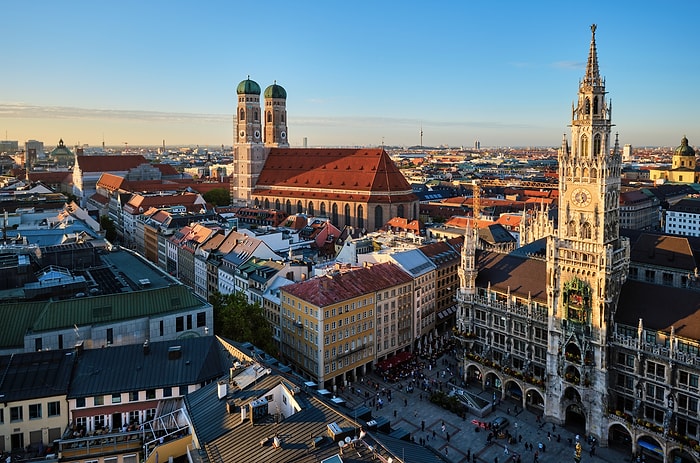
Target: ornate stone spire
column 592, row 74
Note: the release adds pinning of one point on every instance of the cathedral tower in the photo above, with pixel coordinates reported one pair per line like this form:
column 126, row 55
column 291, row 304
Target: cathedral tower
column 276, row 134
column 587, row 261
column 249, row 152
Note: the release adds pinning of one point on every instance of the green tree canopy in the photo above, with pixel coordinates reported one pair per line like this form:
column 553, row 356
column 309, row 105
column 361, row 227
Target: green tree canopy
column 236, row 319
column 218, row 197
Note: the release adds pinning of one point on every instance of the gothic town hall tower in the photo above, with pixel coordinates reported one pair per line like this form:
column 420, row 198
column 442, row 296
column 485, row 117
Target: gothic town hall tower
column 587, row 260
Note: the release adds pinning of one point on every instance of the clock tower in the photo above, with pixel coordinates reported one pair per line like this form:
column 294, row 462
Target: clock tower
column 587, row 260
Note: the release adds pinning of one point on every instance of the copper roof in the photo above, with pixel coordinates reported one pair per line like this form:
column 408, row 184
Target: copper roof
column 326, row 290
column 663, row 251
column 524, row 276
column 660, row 307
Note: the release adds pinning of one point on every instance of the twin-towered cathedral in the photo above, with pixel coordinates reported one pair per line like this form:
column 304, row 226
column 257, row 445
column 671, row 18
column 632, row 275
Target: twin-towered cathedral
column 361, row 188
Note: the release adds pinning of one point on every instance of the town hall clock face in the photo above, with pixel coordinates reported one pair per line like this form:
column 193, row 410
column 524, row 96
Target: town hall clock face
column 580, row 197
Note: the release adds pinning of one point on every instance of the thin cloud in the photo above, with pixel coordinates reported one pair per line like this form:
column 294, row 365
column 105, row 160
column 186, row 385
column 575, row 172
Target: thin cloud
column 575, row 65
column 18, row 110
column 374, row 122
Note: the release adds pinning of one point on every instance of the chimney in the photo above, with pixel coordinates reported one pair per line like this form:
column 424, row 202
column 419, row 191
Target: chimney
column 221, row 389
column 78, row 348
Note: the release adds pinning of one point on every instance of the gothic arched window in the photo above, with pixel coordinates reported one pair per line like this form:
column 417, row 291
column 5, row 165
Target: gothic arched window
column 267, row 203
column 597, row 142
column 241, row 117
column 584, row 146
column 257, row 117
column 347, row 215
column 257, row 202
column 289, row 207
column 310, row 209
column 587, row 107
column 571, row 228
column 277, row 204
column 322, row 210
column 595, row 105
column 586, row 231
column 360, row 217
column 378, row 217
column 334, row 214
column 300, row 207
column 269, row 116
column 399, row 210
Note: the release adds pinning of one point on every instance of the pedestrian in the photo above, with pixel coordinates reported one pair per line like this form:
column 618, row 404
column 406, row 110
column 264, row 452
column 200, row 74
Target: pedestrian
column 445, row 451
column 536, row 458
column 433, row 434
column 469, row 454
column 505, row 450
column 394, row 413
column 495, row 460
column 448, row 437
column 422, row 425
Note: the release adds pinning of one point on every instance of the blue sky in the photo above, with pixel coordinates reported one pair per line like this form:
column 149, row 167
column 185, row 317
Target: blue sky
column 356, row 73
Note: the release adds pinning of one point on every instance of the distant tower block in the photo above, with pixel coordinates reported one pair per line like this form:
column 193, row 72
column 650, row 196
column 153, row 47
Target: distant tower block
column 627, row 153
column 477, row 145
column 306, row 142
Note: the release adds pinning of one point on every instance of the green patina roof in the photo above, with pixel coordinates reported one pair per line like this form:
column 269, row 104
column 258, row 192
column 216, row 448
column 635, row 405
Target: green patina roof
column 248, row 87
column 275, row 91
column 20, row 318
column 685, row 149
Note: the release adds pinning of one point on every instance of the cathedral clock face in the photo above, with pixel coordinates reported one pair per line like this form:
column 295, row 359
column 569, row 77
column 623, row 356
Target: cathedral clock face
column 581, row 197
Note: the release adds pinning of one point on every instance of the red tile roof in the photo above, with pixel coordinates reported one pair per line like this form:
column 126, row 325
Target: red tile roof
column 343, row 174
column 166, row 169
column 116, row 163
column 326, row 290
column 51, row 177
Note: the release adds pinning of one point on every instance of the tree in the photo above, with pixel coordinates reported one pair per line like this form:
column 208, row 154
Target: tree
column 109, row 228
column 218, row 197
column 237, row 319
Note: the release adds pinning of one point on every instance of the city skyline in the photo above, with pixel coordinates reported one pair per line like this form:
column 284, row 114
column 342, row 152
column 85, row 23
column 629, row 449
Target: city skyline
column 360, row 74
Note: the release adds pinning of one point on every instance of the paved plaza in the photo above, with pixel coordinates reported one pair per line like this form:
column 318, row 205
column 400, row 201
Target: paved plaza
column 456, row 437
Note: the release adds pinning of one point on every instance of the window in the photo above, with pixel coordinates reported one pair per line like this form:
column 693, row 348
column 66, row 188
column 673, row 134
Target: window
column 98, row 400
column 656, row 370
column 201, row 319
column 80, row 402
column 687, row 380
column 54, row 408
column 116, row 398
column 134, row 396
column 150, row 394
column 34, row 411
column 2, row 415
column 37, row 344
column 179, row 324
column 110, row 336
column 183, row 390
column 167, row 391
column 16, row 414
column 189, row 322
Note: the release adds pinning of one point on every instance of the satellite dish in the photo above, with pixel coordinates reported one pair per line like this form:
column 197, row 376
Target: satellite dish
column 347, row 440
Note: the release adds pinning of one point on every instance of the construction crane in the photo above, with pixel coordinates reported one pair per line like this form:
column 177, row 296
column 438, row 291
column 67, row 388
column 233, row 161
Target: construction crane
column 477, row 184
